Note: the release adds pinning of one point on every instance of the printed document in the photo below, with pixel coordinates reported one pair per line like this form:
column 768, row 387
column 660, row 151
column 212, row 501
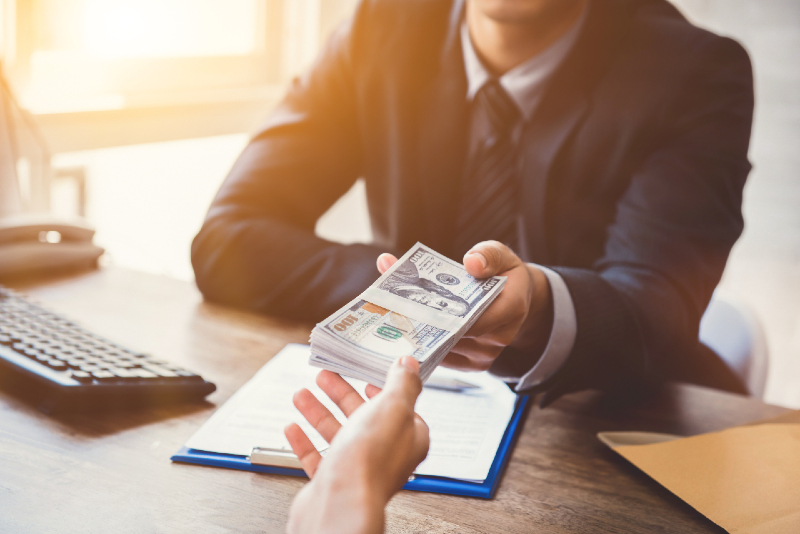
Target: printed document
column 466, row 427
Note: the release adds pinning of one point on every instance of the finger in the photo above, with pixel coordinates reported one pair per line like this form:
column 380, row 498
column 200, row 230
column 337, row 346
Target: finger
column 418, row 450
column 403, row 379
column 490, row 258
column 497, row 328
column 422, row 438
column 371, row 390
column 316, row 414
column 303, row 448
column 385, row 261
column 478, row 350
column 462, row 363
column 510, row 308
column 339, row 391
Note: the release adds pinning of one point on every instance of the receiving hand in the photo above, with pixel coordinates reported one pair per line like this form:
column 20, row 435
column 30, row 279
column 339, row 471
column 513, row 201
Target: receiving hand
column 525, row 297
column 370, row 458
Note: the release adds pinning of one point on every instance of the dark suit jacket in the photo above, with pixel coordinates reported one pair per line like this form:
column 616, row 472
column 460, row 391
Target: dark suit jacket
column 633, row 169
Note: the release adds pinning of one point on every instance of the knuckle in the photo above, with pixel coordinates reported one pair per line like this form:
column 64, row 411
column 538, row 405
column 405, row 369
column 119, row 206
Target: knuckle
column 506, row 340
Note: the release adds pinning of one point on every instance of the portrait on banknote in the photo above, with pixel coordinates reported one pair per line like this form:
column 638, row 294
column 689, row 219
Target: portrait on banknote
column 427, row 279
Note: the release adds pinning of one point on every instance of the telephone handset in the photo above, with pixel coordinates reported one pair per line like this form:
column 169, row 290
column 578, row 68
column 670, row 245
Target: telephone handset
column 34, row 242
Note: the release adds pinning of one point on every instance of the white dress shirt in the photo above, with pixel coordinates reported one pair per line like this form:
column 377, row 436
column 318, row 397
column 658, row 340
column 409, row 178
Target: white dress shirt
column 524, row 84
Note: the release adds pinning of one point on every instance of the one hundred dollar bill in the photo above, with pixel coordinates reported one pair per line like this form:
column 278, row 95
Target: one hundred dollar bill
column 432, row 288
column 420, row 307
column 385, row 333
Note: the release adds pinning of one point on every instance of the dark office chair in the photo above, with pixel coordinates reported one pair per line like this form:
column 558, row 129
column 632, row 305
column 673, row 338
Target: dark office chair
column 732, row 330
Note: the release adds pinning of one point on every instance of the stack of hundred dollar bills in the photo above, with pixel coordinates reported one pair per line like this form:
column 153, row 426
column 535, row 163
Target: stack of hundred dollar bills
column 420, row 307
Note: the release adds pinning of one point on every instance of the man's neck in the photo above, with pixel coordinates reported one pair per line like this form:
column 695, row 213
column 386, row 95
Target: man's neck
column 503, row 42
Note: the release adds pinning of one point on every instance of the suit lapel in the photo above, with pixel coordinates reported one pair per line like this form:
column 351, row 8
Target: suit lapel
column 444, row 121
column 540, row 144
column 561, row 110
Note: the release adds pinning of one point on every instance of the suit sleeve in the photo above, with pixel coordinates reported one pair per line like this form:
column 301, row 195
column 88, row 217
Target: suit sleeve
column 257, row 249
column 638, row 309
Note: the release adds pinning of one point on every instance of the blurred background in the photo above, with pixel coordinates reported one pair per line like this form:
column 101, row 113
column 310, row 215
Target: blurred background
column 136, row 109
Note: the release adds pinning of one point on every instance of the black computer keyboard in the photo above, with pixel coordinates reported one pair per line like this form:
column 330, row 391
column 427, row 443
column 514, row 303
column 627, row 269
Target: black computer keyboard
column 65, row 367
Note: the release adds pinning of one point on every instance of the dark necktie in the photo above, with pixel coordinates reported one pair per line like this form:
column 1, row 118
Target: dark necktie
column 489, row 195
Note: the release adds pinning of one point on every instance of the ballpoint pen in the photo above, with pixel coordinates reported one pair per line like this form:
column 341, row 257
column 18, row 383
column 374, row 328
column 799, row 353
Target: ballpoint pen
column 449, row 384
column 277, row 457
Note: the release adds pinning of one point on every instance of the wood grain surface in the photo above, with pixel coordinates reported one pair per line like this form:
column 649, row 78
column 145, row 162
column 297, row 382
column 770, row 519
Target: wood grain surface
column 112, row 473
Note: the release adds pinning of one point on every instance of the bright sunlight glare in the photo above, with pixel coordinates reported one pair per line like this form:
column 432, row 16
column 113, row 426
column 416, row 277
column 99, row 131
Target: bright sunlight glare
column 167, row 28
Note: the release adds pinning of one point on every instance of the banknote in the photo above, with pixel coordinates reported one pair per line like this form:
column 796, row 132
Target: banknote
column 433, row 288
column 420, row 307
column 385, row 333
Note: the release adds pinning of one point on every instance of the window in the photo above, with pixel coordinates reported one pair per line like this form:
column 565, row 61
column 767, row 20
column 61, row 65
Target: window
column 79, row 55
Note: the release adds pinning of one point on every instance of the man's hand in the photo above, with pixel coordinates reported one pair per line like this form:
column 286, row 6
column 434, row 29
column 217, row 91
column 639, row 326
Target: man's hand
column 524, row 300
column 370, row 457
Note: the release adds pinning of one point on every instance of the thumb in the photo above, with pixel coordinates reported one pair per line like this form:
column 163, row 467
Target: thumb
column 385, row 261
column 490, row 258
column 403, row 379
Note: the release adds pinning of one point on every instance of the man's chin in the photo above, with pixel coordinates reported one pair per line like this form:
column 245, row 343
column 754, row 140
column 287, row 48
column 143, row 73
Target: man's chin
column 519, row 11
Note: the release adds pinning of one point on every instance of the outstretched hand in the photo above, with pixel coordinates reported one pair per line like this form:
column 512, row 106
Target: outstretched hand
column 525, row 298
column 370, row 458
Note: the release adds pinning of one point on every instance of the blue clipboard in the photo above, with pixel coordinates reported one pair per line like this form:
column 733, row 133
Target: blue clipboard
column 484, row 490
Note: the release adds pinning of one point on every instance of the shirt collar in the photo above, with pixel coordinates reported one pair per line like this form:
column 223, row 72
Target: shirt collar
column 524, row 82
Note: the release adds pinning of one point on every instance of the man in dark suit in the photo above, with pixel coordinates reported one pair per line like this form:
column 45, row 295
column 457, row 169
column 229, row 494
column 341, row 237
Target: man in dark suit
column 603, row 141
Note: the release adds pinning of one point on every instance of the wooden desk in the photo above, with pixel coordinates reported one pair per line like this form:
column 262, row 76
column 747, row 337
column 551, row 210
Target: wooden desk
column 111, row 473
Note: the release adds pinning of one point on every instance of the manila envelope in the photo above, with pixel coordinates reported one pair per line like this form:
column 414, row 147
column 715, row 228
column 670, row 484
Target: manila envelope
column 745, row 479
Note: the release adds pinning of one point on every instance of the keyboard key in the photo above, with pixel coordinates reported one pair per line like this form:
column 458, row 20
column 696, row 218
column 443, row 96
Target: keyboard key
column 81, row 376
column 104, row 376
column 57, row 365
column 144, row 373
column 125, row 374
column 160, row 371
column 188, row 375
